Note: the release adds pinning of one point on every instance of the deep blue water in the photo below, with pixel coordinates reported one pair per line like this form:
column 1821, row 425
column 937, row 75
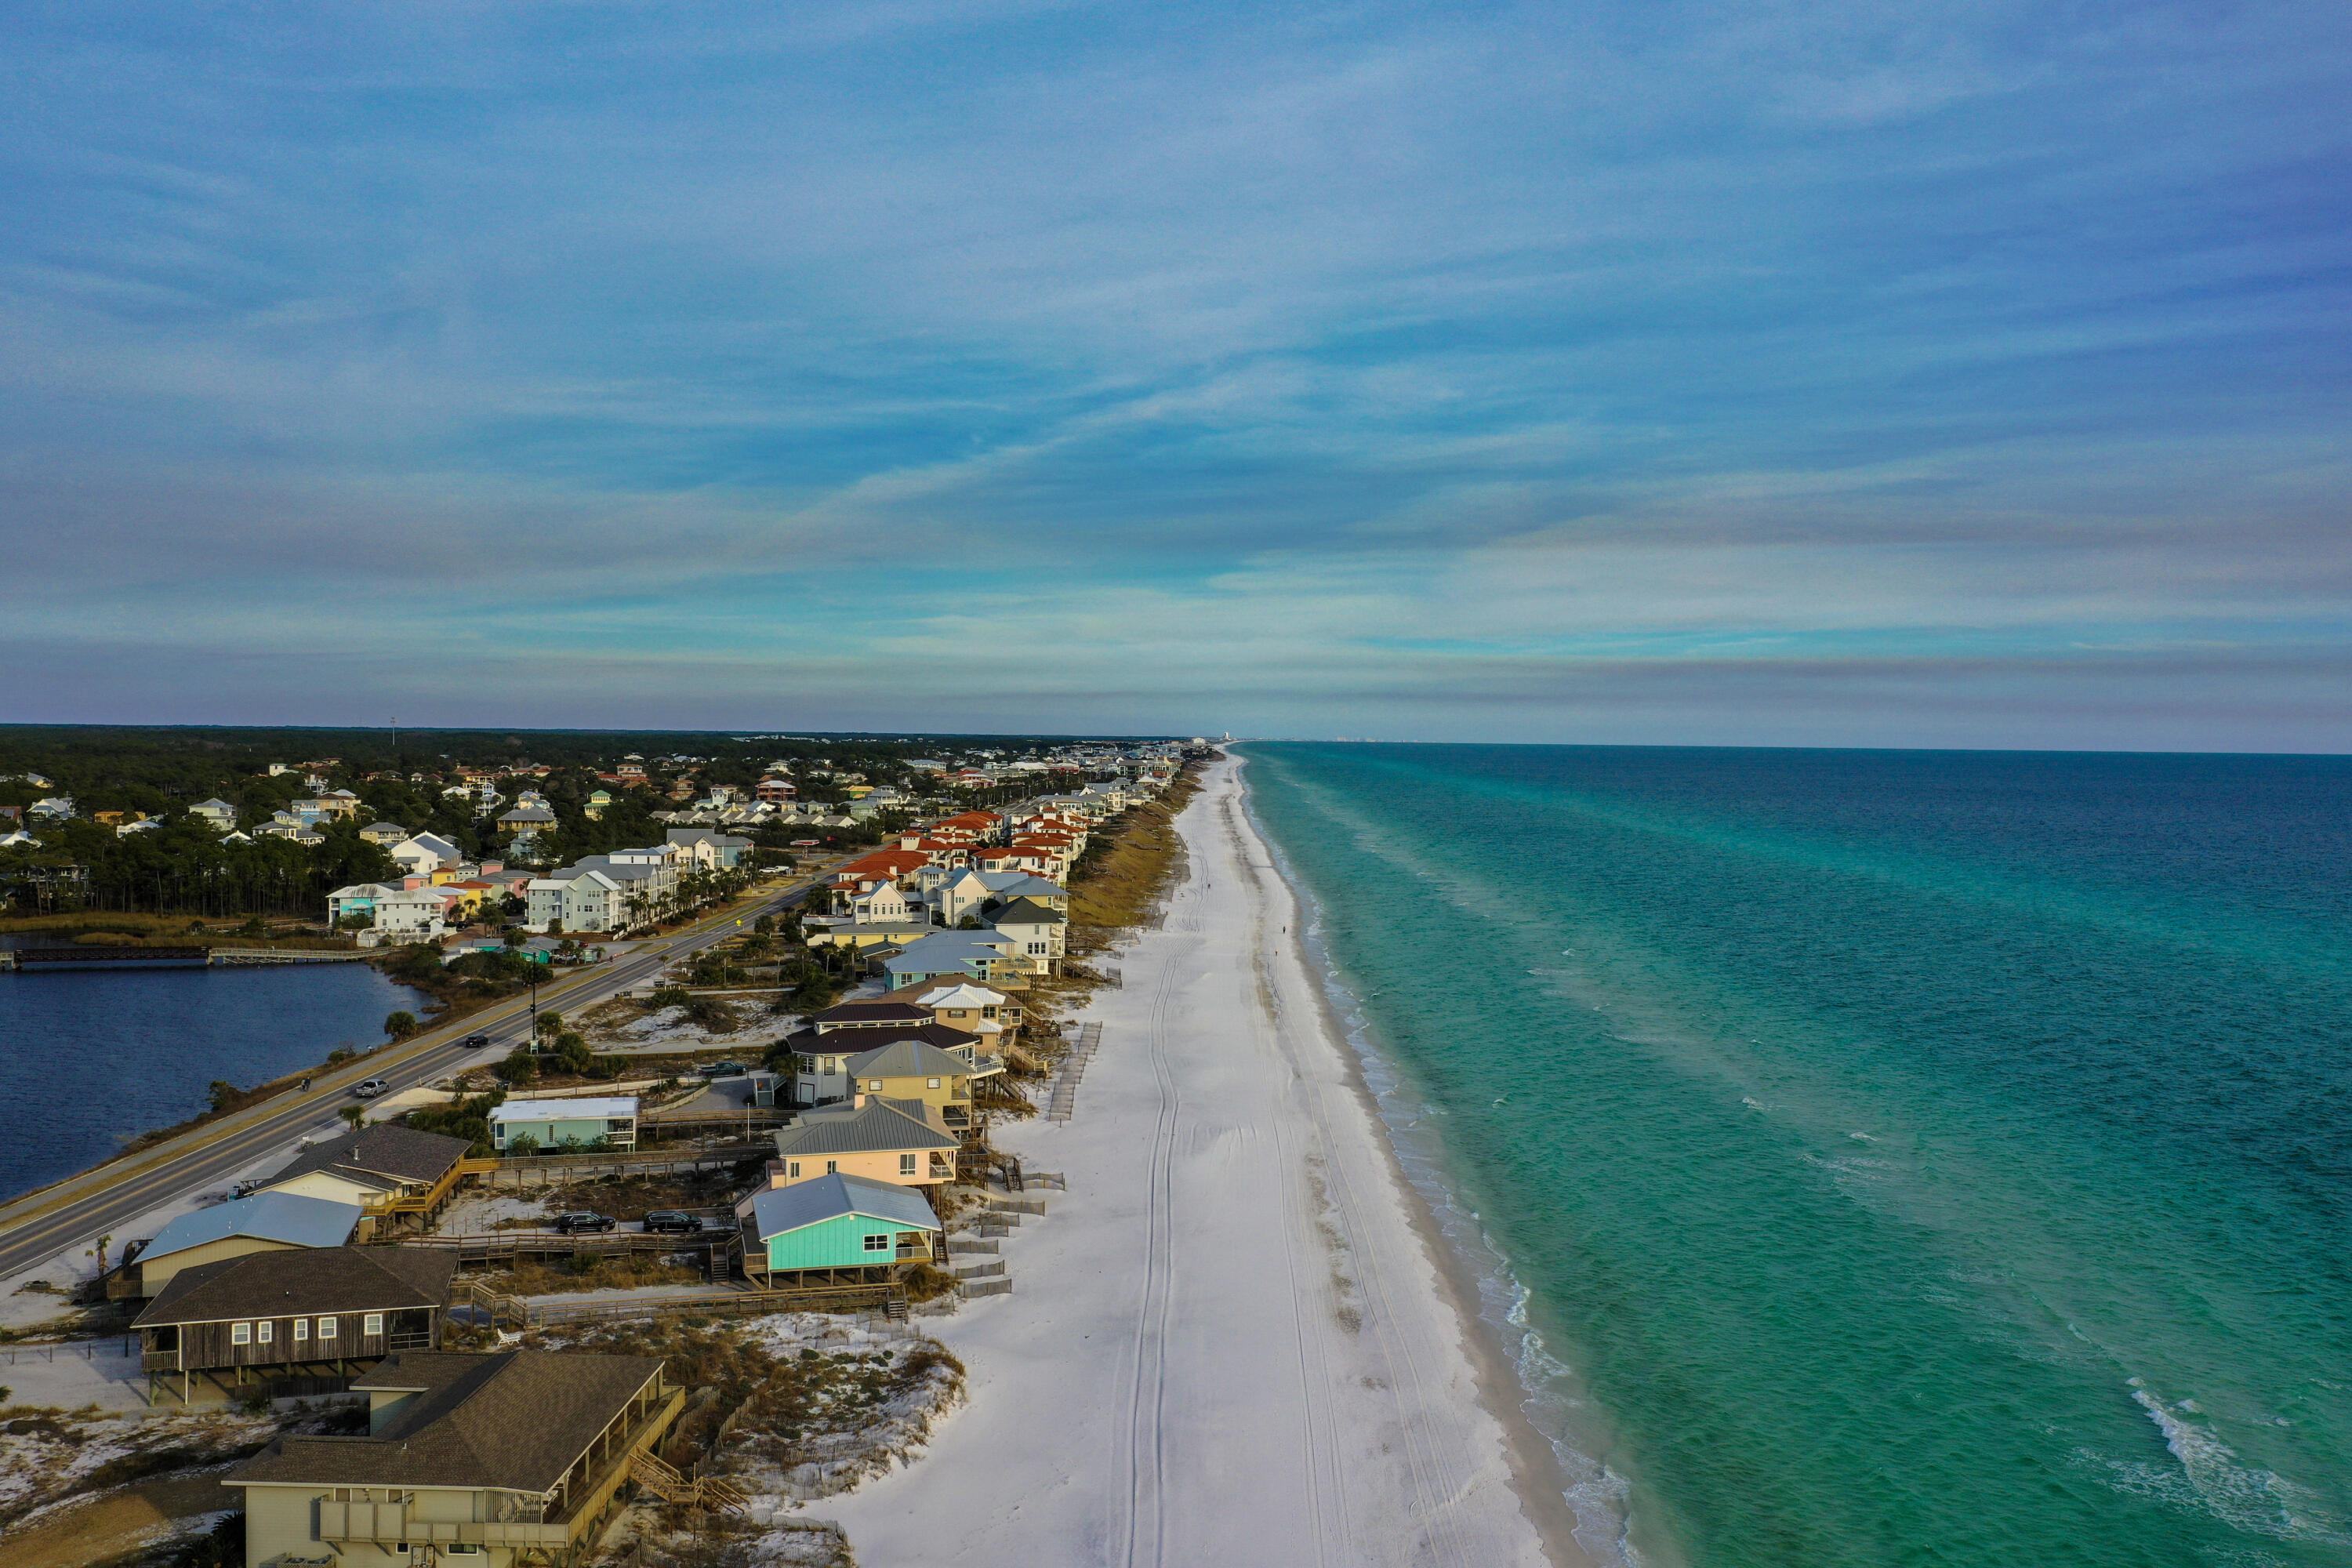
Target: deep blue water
column 1907, row 1157
column 88, row 1059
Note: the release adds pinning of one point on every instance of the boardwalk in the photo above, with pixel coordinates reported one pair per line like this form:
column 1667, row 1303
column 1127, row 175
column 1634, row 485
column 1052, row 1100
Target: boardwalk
column 1065, row 1099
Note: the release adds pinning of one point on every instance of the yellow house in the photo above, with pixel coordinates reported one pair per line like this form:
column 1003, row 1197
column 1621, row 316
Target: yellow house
column 913, row 1070
column 903, row 1141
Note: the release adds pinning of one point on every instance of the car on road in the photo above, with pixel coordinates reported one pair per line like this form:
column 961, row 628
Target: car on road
column 722, row 1069
column 573, row 1223
column 475, row 1042
column 373, row 1088
column 660, row 1220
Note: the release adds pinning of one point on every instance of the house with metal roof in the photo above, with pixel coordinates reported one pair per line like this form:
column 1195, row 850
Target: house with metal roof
column 384, row 1168
column 1010, row 884
column 551, row 1124
column 914, row 1069
column 957, row 955
column 499, row 1458
column 902, row 1142
column 820, row 1062
column 286, row 1323
column 837, row 1230
column 271, row 1222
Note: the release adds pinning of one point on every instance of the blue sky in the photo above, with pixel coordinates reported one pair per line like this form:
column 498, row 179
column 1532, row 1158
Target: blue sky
column 1824, row 373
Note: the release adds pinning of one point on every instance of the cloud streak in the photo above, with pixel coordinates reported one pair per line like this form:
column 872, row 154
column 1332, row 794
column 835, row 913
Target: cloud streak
column 1694, row 372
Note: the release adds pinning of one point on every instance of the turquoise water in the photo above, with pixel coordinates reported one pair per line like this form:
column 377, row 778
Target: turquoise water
column 1928, row 1158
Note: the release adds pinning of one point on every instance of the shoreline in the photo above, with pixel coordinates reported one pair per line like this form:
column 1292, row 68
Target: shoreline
column 1537, row 1475
column 1232, row 1338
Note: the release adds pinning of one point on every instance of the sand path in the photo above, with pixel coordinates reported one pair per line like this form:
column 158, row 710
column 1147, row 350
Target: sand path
column 1229, row 1342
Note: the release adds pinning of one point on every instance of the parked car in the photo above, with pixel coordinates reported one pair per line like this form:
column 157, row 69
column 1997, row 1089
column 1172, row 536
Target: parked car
column 659, row 1220
column 722, row 1069
column 475, row 1042
column 370, row 1089
column 573, row 1223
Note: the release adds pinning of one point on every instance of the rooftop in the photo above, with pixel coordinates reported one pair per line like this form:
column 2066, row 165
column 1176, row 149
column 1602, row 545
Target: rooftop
column 512, row 1421
column 781, row 1209
column 300, row 1284
column 270, row 1216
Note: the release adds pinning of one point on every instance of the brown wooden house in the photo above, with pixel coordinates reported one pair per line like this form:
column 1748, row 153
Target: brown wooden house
column 292, row 1322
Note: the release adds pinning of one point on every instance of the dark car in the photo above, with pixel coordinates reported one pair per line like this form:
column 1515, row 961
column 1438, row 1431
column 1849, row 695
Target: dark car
column 659, row 1220
column 722, row 1069
column 475, row 1042
column 573, row 1223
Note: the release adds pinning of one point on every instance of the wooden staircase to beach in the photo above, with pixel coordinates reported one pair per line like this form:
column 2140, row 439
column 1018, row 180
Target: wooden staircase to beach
column 671, row 1484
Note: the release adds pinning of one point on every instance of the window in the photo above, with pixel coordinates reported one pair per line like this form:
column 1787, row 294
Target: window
column 877, row 1243
column 326, row 1328
column 266, row 1331
column 371, row 1325
column 462, row 1549
column 905, row 1164
column 240, row 1333
column 873, row 1086
column 930, row 1083
column 793, row 1169
column 831, row 1166
column 301, row 1328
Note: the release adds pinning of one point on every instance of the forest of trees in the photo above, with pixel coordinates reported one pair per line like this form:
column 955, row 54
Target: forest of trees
column 184, row 868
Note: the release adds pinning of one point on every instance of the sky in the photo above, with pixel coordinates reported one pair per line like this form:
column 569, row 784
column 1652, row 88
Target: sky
column 1947, row 373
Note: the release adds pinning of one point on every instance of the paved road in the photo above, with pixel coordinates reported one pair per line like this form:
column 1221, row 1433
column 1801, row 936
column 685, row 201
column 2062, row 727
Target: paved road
column 65, row 1216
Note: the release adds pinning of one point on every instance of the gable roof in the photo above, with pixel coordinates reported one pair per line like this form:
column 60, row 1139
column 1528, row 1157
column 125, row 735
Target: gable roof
column 306, row 1282
column 288, row 1217
column 830, row 1197
column 1022, row 885
column 1026, row 912
column 385, row 1148
column 512, row 1420
column 875, row 1127
column 965, row 994
column 907, row 1058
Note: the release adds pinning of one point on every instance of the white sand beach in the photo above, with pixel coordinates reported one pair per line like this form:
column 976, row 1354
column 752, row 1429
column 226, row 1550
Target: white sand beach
column 1231, row 1341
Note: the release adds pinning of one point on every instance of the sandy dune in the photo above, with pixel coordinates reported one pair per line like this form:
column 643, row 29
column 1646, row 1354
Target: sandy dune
column 1228, row 1343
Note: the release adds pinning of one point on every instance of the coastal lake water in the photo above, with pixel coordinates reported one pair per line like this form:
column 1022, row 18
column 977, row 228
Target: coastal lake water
column 90, row 1060
column 1876, row 1158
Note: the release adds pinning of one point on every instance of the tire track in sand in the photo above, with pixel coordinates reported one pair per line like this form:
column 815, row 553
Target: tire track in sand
column 1437, row 1482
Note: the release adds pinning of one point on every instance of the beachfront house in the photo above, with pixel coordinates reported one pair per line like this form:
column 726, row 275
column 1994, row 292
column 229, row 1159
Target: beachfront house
column 958, row 956
column 1037, row 928
column 286, row 1323
column 835, row 1230
column 911, row 1070
column 966, row 1005
column 1010, row 884
column 272, row 1222
column 902, row 1142
column 510, row 1458
column 386, row 1169
column 556, row 1126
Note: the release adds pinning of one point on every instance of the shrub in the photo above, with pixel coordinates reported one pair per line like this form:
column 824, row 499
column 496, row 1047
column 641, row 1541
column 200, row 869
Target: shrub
column 551, row 1022
column 669, row 996
column 400, row 1024
column 518, row 1069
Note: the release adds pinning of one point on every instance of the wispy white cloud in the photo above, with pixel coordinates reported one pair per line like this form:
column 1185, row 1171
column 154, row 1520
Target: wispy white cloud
column 1735, row 364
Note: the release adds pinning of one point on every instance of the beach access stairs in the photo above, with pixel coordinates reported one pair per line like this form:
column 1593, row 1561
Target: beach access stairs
column 1063, row 1101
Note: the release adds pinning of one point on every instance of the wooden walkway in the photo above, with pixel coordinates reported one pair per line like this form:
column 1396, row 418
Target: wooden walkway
column 1065, row 1100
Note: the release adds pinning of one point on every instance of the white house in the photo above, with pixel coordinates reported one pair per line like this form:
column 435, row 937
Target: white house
column 576, row 898
column 217, row 815
column 414, row 914
column 425, row 852
column 1038, row 930
column 551, row 1124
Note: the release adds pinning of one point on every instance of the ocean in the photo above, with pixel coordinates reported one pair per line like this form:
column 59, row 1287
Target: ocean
column 1875, row 1157
column 89, row 1059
